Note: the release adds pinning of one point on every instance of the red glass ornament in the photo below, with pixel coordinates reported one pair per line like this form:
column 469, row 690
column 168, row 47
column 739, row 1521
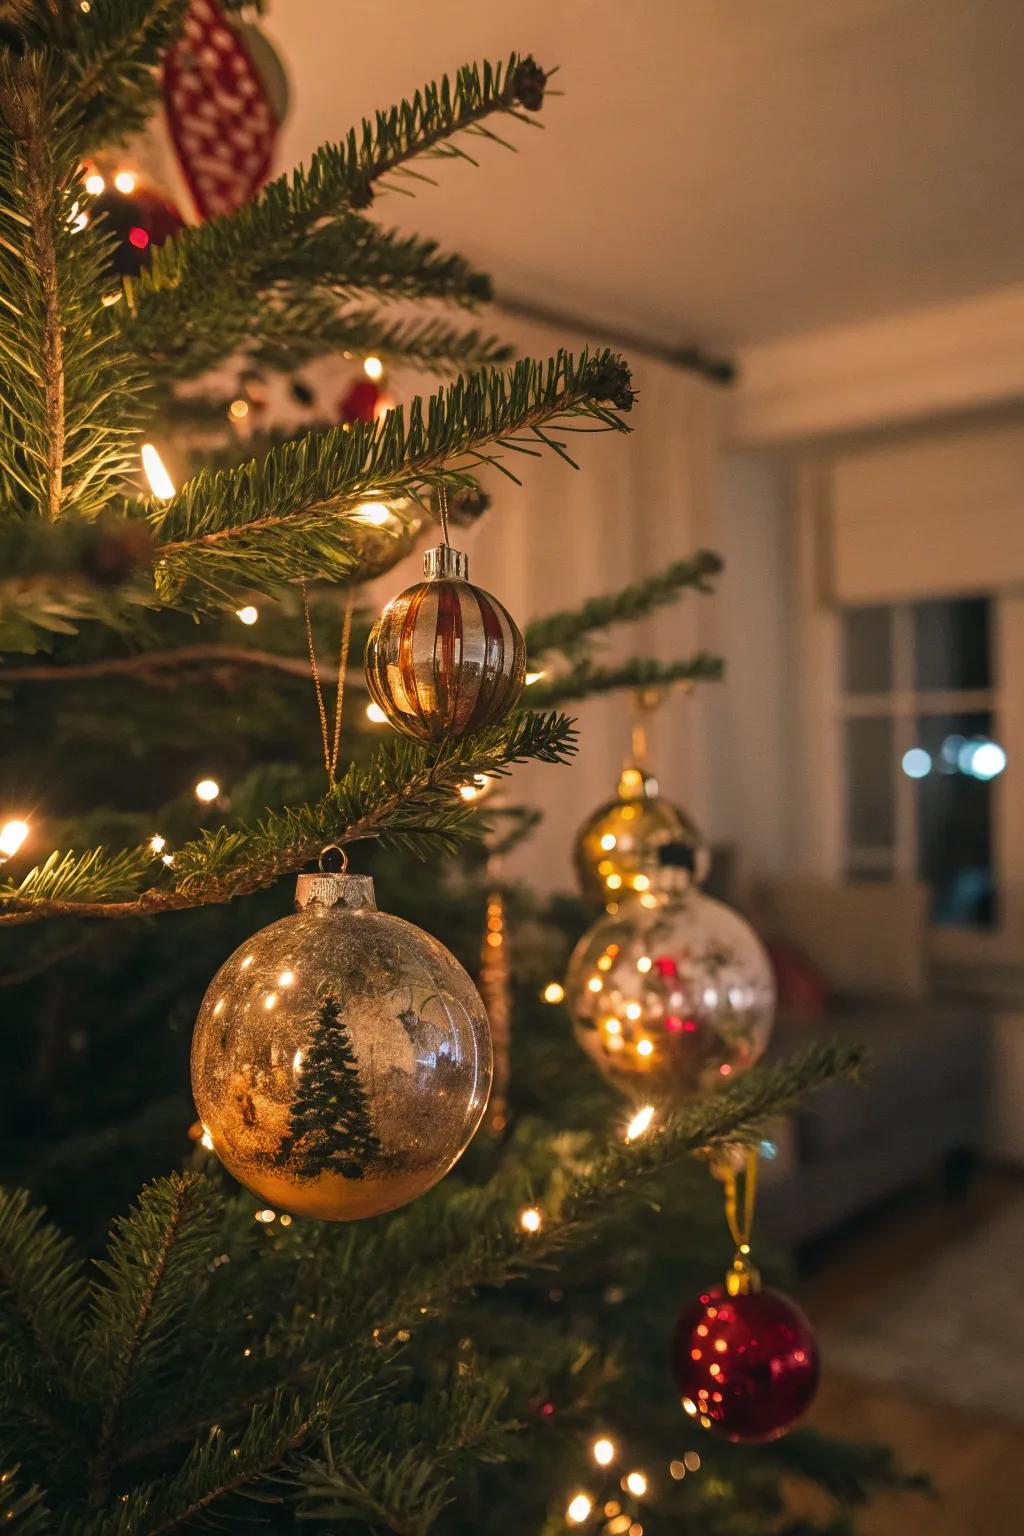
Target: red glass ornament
column 363, row 401
column 746, row 1366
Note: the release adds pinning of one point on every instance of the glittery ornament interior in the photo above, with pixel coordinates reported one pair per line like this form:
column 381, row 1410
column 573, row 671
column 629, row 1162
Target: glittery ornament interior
column 671, row 999
column 341, row 1062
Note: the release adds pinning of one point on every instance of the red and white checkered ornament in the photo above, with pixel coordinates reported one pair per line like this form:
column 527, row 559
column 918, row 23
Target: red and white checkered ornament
column 218, row 112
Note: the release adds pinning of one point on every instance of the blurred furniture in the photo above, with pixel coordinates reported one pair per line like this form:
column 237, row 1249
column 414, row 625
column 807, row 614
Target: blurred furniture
column 925, row 1103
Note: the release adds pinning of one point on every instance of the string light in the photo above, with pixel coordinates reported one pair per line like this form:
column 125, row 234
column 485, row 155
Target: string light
column 265, row 1216
column 579, row 1508
column 554, row 992
column 603, row 1452
column 160, row 482
column 373, row 512
column 645, row 1047
column 207, row 790
column 376, row 714
column 94, row 184
column 157, row 843
column 248, row 614
column 676, row 1470
column 168, row 859
column 637, row 1484
column 12, row 835
column 124, row 181
column 640, row 1122
column 373, row 368
column 530, row 1219
column 238, row 410
column 533, row 677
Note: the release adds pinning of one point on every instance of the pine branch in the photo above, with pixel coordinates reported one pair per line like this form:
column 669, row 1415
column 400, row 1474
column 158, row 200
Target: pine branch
column 42, row 1295
column 564, row 631
column 203, row 293
column 112, row 64
column 586, row 679
column 67, row 393
column 201, row 300
column 157, row 1256
column 407, row 798
column 263, row 524
column 22, row 1513
column 311, row 327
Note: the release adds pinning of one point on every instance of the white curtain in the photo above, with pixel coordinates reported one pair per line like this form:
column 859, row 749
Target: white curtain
column 636, row 503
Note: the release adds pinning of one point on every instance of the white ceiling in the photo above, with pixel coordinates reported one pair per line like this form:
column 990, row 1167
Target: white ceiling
column 719, row 171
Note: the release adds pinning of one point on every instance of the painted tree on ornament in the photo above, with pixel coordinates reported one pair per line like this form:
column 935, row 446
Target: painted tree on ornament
column 331, row 1128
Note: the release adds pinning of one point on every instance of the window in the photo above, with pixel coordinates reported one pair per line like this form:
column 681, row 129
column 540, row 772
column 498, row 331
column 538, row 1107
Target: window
column 921, row 751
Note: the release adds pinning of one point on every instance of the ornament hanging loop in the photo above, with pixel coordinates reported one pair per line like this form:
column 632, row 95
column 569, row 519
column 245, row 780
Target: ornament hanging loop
column 333, row 860
column 442, row 500
column 743, row 1277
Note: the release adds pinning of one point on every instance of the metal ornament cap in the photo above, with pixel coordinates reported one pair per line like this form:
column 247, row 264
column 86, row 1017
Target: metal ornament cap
column 353, row 892
column 443, row 562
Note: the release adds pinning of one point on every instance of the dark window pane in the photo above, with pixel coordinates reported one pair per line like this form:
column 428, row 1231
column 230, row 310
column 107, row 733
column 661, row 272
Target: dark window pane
column 869, row 782
column 867, row 650
column 951, row 644
column 954, row 814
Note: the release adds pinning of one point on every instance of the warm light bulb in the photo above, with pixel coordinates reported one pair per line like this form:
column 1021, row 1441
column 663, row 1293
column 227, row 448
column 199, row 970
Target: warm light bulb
column 595, row 984
column 124, row 181
column 579, row 1509
column 160, row 482
column 533, row 677
column 531, row 1219
column 641, row 883
column 248, row 614
column 266, row 1215
column 554, row 992
column 12, row 835
column 633, row 1010
column 238, row 410
column 373, row 368
column 157, row 843
column 286, row 978
column 637, row 1484
column 207, row 790
column 643, row 965
column 603, row 1452
column 206, row 1140
column 376, row 714
column 645, row 1047
column 94, row 184
column 640, row 1122
column 613, row 882
column 608, row 841
column 373, row 512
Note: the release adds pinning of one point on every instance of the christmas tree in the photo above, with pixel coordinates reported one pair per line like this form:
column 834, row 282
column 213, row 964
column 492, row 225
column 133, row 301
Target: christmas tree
column 331, row 1130
column 447, row 1368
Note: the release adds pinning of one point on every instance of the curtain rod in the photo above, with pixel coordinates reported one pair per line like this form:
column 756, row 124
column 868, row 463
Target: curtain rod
column 717, row 370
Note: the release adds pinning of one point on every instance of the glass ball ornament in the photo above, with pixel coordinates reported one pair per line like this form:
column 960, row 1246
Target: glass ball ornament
column 444, row 657
column 746, row 1365
column 673, row 993
column 616, row 849
column 341, row 1060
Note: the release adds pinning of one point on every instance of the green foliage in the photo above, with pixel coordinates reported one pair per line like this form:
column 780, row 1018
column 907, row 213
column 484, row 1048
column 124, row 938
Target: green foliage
column 586, row 679
column 407, row 797
column 67, row 399
column 566, row 630
column 113, row 57
column 263, row 523
column 213, row 1361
